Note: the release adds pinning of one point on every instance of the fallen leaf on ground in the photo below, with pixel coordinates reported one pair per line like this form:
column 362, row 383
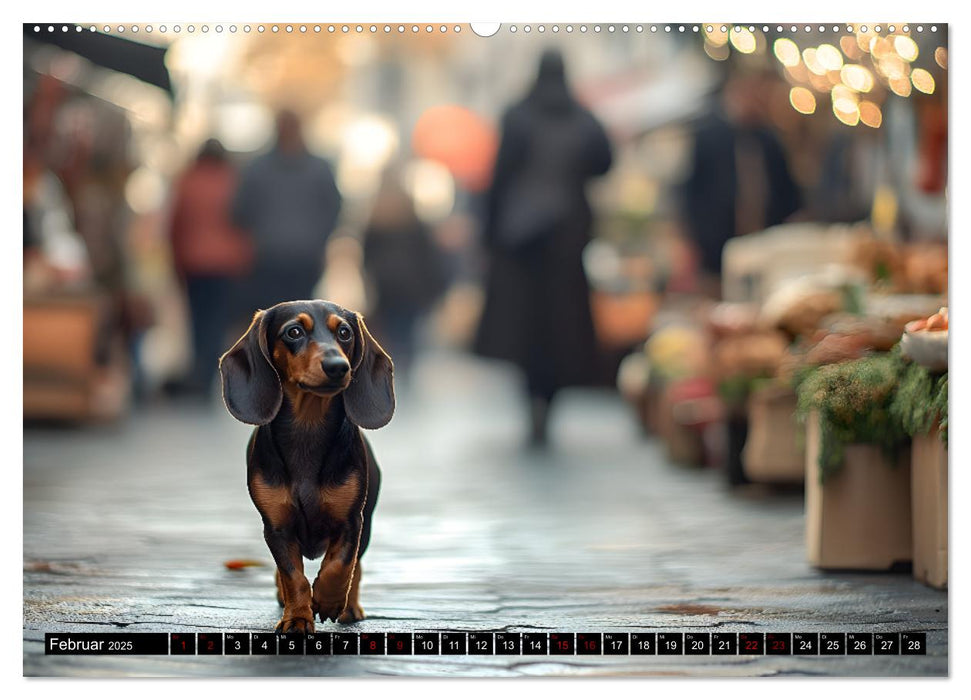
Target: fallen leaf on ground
column 236, row 564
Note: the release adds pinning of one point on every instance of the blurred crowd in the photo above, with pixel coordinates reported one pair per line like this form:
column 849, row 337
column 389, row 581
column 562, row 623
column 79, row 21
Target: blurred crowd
column 245, row 233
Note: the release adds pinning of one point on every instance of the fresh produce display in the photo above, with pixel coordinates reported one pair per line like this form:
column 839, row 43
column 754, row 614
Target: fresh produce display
column 920, row 401
column 678, row 351
column 833, row 348
column 925, row 341
column 756, row 354
column 853, row 400
column 925, row 268
column 881, row 260
column 799, row 310
column 937, row 322
column 728, row 319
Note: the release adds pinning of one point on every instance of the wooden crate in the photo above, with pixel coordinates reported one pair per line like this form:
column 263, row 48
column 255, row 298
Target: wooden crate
column 860, row 518
column 929, row 492
column 775, row 450
column 60, row 365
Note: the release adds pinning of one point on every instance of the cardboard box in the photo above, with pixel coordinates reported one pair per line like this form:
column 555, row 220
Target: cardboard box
column 775, row 450
column 929, row 492
column 860, row 518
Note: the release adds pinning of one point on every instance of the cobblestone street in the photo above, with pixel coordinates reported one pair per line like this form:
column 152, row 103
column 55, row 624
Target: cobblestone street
column 127, row 527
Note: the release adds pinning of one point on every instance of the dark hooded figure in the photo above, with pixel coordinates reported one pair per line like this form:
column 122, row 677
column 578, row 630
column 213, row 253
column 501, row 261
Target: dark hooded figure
column 537, row 222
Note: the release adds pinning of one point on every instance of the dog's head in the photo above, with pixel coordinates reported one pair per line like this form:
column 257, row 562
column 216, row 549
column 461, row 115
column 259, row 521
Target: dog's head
column 308, row 348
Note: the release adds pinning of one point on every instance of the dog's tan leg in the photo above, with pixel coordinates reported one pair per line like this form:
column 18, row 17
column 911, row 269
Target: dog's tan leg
column 298, row 614
column 336, row 578
column 353, row 611
column 279, row 589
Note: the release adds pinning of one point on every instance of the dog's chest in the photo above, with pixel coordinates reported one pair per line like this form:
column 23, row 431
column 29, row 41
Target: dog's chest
column 322, row 513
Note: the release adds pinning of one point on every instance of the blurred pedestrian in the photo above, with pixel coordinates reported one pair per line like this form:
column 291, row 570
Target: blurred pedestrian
column 739, row 180
column 288, row 201
column 210, row 256
column 404, row 267
column 537, row 222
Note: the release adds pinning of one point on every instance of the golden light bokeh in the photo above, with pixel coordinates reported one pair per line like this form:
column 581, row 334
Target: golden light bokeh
column 786, row 51
column 857, row 77
column 900, row 86
column 812, row 62
column 841, row 92
column 798, row 73
column 743, row 40
column 719, row 52
column 802, row 100
column 829, row 57
column 922, row 80
column 906, row 48
column 870, row 114
column 893, row 67
column 820, row 82
column 850, row 48
column 880, row 47
column 847, row 112
column 853, row 65
column 716, row 37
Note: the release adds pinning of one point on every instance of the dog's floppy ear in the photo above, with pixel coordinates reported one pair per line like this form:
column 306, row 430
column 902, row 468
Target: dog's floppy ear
column 369, row 400
column 251, row 386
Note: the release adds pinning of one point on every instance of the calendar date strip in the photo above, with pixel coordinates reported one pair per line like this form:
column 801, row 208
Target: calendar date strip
column 489, row 643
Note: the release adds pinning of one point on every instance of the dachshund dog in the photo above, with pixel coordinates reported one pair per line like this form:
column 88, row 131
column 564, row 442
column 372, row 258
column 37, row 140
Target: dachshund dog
column 309, row 375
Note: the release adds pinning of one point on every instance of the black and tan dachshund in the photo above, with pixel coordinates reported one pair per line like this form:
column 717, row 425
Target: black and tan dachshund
column 310, row 376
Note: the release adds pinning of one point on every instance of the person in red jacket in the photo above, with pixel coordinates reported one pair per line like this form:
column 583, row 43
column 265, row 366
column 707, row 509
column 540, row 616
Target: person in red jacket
column 210, row 254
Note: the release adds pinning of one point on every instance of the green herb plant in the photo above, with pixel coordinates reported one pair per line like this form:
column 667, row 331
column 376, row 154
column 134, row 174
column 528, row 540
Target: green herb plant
column 921, row 401
column 853, row 401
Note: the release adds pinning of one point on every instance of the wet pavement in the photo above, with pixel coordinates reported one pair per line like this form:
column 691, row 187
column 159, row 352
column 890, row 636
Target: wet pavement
column 127, row 527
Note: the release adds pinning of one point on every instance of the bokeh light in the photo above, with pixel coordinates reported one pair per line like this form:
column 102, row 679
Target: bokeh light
column 922, row 80
column 900, row 86
column 829, row 57
column 812, row 62
column 870, row 114
column 716, row 37
column 880, row 47
column 786, row 51
column 850, row 48
column 718, row 52
column 857, row 77
column 802, row 100
column 742, row 39
column 847, row 111
column 906, row 48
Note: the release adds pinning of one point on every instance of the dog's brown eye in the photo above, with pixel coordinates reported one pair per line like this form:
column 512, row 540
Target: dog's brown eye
column 294, row 332
column 344, row 333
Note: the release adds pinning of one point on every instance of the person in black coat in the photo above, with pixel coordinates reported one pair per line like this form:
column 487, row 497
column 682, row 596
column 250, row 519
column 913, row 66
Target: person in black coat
column 739, row 180
column 537, row 222
column 404, row 267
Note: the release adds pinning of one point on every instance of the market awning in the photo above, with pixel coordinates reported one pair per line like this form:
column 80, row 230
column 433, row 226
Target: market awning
column 142, row 61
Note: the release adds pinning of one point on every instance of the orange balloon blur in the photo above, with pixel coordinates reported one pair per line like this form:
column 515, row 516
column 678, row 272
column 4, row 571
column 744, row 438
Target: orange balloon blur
column 460, row 140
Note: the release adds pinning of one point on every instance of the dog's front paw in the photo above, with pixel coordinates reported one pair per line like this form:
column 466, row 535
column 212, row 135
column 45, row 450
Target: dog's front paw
column 295, row 624
column 329, row 609
column 351, row 614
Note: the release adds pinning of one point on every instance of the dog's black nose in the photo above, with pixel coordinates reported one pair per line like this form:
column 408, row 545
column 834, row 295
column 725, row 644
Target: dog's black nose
column 335, row 367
